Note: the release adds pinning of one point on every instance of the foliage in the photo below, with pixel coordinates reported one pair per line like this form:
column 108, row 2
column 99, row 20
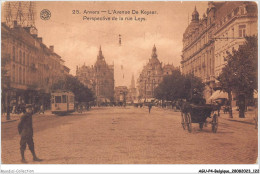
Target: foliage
column 178, row 86
column 71, row 83
column 240, row 73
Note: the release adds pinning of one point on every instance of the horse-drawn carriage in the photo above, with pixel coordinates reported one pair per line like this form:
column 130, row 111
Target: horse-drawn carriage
column 191, row 113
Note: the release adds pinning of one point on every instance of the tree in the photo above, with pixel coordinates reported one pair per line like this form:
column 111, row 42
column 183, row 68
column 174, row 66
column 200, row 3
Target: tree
column 178, row 86
column 225, row 81
column 240, row 73
column 71, row 83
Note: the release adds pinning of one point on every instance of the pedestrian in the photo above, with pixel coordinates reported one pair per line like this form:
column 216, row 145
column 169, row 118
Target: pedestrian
column 81, row 107
column 25, row 130
column 150, row 107
column 218, row 107
column 41, row 109
column 13, row 109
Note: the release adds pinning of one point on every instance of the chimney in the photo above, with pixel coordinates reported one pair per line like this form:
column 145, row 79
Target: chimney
column 34, row 35
column 52, row 48
column 39, row 39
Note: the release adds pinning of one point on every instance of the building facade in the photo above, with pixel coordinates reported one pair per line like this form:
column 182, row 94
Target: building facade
column 234, row 22
column 31, row 67
column 206, row 40
column 99, row 78
column 152, row 75
column 121, row 95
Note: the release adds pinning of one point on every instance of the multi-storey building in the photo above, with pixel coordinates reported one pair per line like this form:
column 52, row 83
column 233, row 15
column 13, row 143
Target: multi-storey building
column 207, row 40
column 99, row 78
column 152, row 75
column 234, row 21
column 31, row 67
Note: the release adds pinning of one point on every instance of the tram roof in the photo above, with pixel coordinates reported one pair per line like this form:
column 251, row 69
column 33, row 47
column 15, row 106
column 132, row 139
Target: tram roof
column 61, row 92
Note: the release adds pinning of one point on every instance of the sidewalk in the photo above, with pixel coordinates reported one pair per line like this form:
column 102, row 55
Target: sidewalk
column 249, row 116
column 15, row 117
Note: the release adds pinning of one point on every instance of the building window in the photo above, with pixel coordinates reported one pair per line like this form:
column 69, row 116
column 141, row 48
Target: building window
column 242, row 30
column 20, row 57
column 236, row 11
column 13, row 53
column 23, row 76
column 24, row 58
column 28, row 59
column 20, row 75
column 242, row 11
column 13, row 74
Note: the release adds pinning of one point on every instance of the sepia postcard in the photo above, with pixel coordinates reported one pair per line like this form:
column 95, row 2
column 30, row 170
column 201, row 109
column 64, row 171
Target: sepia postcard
column 129, row 82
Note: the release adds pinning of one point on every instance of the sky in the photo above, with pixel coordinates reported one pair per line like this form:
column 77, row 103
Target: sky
column 77, row 41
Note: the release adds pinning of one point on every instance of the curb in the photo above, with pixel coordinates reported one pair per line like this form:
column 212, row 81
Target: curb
column 239, row 121
column 246, row 122
column 7, row 121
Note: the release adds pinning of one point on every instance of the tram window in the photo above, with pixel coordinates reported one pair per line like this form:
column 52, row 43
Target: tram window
column 58, row 99
column 64, row 99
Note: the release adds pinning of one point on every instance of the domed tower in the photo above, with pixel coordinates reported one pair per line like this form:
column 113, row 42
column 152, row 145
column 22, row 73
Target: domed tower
column 195, row 15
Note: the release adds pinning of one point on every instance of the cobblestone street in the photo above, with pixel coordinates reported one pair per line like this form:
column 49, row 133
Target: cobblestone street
column 131, row 136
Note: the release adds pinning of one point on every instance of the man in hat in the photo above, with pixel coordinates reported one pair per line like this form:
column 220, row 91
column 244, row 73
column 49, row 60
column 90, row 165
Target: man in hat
column 25, row 129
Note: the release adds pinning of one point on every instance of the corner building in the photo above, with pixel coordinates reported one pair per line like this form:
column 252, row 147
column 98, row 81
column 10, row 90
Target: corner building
column 152, row 75
column 99, row 78
column 206, row 40
column 31, row 67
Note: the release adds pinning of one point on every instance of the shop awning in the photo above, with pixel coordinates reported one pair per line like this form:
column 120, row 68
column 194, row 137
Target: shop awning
column 255, row 94
column 218, row 94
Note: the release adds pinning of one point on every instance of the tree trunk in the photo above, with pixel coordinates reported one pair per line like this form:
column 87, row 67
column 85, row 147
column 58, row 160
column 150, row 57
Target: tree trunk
column 230, row 104
column 8, row 106
column 241, row 106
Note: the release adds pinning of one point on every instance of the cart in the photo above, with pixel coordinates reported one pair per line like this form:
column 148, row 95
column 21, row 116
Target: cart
column 191, row 113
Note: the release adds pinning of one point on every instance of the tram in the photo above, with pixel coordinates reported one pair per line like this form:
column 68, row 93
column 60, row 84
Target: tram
column 62, row 102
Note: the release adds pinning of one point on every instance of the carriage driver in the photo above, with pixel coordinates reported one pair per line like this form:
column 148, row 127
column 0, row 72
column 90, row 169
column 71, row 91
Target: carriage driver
column 25, row 129
column 196, row 98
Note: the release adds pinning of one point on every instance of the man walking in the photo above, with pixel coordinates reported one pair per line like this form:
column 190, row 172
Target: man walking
column 150, row 107
column 25, row 129
column 41, row 109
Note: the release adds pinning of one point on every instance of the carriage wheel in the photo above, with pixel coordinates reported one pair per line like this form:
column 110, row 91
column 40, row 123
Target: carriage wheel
column 201, row 125
column 183, row 121
column 214, row 123
column 188, row 121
